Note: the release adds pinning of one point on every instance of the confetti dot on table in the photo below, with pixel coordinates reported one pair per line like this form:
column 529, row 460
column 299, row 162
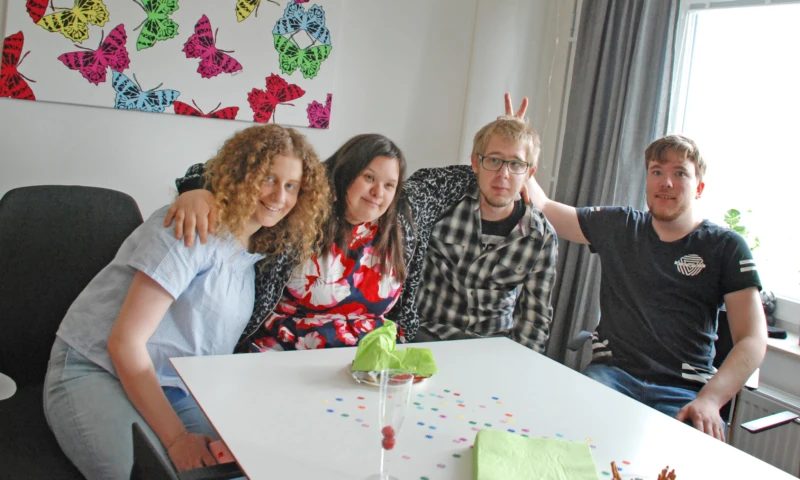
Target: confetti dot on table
column 416, row 403
column 511, row 420
column 495, row 398
column 593, row 446
column 365, row 424
column 626, row 462
column 359, row 420
column 461, row 405
column 329, row 410
column 444, row 404
column 447, row 391
column 482, row 406
column 499, row 402
column 455, row 455
column 420, row 408
column 442, row 416
column 619, row 469
column 345, row 415
column 362, row 407
column 511, row 430
column 440, row 465
column 428, row 436
column 503, row 421
column 588, row 439
column 606, row 474
column 421, row 424
column 433, row 394
column 360, row 398
column 435, row 409
column 324, row 401
column 475, row 428
column 420, row 395
column 339, row 400
column 509, row 415
column 488, row 424
column 406, row 457
column 471, row 422
column 459, row 401
column 471, row 446
column 559, row 435
column 424, row 478
column 525, row 430
column 460, row 417
column 431, row 427
column 457, row 394
column 524, row 435
column 545, row 436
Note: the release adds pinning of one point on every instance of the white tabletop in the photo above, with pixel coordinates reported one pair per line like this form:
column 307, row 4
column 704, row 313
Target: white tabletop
column 300, row 415
column 7, row 387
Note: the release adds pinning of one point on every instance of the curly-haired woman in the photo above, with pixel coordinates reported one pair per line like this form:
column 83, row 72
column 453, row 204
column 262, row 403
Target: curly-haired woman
column 109, row 366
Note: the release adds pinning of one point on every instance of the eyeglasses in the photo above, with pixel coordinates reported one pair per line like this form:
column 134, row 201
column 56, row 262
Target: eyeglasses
column 493, row 164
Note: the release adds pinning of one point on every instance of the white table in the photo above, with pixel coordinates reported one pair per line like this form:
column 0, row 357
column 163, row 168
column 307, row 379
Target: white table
column 300, row 415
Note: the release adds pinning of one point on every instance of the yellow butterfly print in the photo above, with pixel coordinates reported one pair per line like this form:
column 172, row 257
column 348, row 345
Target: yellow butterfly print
column 245, row 7
column 73, row 22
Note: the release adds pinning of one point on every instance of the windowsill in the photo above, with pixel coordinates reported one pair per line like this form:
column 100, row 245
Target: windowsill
column 788, row 345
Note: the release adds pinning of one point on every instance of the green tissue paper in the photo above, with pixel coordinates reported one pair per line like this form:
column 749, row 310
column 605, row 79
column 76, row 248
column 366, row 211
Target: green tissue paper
column 506, row 456
column 376, row 352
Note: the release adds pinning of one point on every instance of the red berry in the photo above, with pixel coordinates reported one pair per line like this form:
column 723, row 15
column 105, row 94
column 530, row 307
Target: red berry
column 388, row 443
column 388, row 431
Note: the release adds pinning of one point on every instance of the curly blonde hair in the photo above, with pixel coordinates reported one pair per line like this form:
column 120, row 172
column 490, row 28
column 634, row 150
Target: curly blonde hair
column 235, row 176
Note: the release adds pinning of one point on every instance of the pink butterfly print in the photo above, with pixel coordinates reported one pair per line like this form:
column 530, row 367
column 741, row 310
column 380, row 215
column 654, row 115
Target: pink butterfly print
column 92, row 63
column 300, row 1
column 278, row 92
column 319, row 116
column 227, row 113
column 202, row 45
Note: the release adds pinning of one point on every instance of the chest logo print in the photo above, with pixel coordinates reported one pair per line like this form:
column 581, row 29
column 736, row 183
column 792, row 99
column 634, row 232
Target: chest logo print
column 690, row 265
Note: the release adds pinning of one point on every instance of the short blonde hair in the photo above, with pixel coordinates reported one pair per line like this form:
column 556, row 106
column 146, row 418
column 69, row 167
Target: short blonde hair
column 678, row 144
column 513, row 129
column 237, row 172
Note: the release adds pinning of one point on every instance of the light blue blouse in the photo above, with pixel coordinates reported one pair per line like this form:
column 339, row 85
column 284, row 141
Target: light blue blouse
column 213, row 286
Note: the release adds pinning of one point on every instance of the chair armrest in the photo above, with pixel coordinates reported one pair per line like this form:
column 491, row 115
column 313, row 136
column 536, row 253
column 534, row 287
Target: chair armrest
column 579, row 340
column 225, row 471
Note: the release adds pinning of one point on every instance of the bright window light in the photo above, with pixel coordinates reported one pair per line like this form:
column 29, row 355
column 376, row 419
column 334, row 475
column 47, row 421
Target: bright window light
column 738, row 96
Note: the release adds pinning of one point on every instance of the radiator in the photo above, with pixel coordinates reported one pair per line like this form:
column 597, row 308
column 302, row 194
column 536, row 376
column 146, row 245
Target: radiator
column 780, row 446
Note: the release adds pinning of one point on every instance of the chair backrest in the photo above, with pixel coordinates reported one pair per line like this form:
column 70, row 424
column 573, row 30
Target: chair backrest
column 53, row 241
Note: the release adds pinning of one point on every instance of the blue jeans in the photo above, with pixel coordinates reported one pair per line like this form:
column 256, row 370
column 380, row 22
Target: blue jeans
column 667, row 400
column 91, row 416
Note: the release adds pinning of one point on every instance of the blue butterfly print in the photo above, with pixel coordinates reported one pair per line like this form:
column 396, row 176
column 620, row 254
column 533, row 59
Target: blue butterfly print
column 296, row 19
column 131, row 97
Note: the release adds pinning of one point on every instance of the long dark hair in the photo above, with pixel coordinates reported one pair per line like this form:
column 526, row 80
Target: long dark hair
column 344, row 167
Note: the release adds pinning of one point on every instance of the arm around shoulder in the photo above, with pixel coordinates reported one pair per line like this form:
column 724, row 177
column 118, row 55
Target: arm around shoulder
column 564, row 218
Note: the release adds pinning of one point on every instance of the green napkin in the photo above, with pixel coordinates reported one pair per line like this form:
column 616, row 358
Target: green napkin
column 505, row 456
column 376, row 351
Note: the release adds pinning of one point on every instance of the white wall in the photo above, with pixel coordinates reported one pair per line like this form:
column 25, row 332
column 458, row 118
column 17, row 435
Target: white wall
column 407, row 69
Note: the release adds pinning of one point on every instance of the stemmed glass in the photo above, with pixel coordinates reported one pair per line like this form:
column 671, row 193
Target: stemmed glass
column 393, row 400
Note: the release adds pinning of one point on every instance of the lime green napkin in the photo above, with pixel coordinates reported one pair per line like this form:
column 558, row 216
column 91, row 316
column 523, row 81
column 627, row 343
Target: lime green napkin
column 505, row 456
column 376, row 351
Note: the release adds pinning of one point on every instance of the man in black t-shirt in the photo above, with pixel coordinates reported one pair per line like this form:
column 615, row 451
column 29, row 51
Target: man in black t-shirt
column 665, row 274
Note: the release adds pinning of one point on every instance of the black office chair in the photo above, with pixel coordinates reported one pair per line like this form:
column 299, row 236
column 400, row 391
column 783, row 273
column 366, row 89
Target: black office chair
column 53, row 241
column 149, row 464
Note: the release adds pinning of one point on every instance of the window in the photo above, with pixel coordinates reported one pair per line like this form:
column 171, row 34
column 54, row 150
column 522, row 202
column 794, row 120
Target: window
column 737, row 94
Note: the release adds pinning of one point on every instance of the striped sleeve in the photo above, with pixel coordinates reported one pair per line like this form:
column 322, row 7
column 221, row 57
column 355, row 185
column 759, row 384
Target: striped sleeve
column 740, row 270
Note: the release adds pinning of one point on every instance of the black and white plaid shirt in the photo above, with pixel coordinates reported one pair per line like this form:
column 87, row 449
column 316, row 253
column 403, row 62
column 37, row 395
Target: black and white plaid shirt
column 485, row 292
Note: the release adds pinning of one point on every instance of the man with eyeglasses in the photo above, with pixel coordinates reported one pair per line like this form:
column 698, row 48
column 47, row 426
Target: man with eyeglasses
column 490, row 262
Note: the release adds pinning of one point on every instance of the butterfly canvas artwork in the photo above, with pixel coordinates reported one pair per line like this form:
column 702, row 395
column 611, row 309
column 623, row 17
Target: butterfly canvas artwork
column 243, row 60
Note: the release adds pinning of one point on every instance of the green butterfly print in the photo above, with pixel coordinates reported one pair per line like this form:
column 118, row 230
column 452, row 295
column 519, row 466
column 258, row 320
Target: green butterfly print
column 308, row 59
column 158, row 25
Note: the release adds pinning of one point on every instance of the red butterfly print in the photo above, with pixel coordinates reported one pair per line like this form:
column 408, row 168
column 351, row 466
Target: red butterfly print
column 278, row 92
column 92, row 63
column 202, row 45
column 36, row 9
column 319, row 116
column 12, row 83
column 227, row 113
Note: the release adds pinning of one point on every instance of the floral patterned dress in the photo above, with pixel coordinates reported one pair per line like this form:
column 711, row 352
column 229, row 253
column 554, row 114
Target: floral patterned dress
column 332, row 300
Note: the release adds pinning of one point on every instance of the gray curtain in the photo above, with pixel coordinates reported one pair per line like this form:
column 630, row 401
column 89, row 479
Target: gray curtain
column 618, row 104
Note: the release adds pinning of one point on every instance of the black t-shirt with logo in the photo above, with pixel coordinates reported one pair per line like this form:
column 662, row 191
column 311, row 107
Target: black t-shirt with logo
column 659, row 300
